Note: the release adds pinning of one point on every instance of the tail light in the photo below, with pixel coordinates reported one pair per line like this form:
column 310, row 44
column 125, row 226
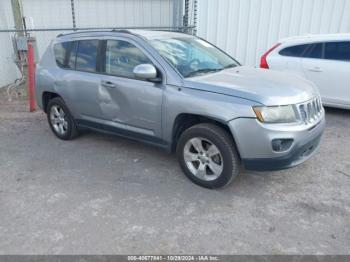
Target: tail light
column 263, row 61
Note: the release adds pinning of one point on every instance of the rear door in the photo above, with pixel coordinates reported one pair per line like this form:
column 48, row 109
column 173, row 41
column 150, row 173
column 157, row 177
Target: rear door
column 288, row 59
column 312, row 66
column 328, row 66
column 336, row 67
column 84, row 82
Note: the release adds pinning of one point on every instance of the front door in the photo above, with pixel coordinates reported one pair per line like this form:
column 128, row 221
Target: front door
column 130, row 103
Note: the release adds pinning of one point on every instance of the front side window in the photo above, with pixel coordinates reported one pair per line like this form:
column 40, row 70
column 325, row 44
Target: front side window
column 122, row 57
column 86, row 55
column 294, row 51
column 337, row 51
column 192, row 56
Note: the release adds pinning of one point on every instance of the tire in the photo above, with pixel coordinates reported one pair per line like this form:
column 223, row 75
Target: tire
column 61, row 120
column 217, row 166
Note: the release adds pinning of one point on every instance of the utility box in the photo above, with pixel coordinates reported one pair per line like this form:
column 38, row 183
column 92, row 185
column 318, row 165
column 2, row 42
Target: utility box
column 20, row 44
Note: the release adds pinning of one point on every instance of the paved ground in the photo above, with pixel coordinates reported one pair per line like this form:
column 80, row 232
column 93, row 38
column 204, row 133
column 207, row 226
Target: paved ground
column 100, row 194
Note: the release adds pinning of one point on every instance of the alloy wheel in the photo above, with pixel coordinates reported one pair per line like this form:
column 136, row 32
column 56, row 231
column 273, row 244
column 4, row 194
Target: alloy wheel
column 58, row 120
column 203, row 158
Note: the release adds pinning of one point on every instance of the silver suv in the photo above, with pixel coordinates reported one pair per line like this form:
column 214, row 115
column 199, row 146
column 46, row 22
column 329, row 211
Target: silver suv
column 183, row 94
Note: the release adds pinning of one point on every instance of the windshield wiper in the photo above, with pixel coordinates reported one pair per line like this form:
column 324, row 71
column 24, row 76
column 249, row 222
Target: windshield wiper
column 230, row 66
column 203, row 71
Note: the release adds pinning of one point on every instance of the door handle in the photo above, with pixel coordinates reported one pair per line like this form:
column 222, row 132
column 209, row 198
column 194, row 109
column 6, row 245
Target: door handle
column 315, row 69
column 108, row 84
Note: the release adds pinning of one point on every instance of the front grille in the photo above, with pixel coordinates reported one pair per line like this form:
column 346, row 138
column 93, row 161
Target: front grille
column 311, row 110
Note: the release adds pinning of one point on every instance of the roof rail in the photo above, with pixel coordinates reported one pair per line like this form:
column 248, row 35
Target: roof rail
column 121, row 31
column 94, row 30
column 81, row 32
column 118, row 30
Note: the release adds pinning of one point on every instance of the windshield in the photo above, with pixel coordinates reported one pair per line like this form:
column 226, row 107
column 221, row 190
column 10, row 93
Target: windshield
column 192, row 56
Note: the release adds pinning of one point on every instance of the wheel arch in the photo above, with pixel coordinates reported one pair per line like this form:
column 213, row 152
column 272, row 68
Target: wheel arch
column 184, row 121
column 46, row 97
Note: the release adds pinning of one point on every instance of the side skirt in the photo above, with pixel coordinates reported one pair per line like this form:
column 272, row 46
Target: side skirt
column 151, row 140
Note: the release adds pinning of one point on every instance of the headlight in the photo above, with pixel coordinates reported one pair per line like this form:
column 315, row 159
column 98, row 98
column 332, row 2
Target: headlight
column 275, row 114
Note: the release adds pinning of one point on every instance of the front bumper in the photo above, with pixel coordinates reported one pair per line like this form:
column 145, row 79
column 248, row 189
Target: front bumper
column 254, row 143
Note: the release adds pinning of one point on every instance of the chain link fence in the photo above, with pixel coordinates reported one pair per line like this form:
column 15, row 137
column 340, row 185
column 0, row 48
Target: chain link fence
column 45, row 19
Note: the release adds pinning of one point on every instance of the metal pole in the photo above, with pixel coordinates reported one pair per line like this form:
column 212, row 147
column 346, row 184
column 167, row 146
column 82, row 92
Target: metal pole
column 31, row 77
column 17, row 16
column 73, row 14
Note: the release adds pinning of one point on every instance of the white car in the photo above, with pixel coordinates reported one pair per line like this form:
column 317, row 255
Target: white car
column 322, row 59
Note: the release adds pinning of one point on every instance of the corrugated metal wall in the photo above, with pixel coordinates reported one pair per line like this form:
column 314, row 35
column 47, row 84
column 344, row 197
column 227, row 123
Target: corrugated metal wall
column 121, row 13
column 247, row 28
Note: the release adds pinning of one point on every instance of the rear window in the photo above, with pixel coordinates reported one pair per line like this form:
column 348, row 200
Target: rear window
column 338, row 51
column 62, row 51
column 294, row 51
column 86, row 55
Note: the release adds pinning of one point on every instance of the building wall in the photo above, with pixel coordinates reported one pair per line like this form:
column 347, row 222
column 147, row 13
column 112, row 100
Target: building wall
column 247, row 28
column 8, row 69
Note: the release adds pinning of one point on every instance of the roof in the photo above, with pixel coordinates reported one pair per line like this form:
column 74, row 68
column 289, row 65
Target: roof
column 147, row 34
column 316, row 38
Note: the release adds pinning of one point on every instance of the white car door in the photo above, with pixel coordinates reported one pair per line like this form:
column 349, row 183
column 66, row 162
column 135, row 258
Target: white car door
column 328, row 66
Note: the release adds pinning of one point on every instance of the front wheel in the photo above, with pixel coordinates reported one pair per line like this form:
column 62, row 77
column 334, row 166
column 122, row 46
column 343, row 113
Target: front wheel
column 207, row 155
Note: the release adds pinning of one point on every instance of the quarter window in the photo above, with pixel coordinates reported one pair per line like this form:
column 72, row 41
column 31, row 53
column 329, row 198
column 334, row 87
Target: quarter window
column 338, row 51
column 62, row 53
column 294, row 51
column 122, row 57
column 86, row 55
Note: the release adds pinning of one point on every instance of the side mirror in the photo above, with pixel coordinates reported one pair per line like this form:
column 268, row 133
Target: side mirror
column 145, row 71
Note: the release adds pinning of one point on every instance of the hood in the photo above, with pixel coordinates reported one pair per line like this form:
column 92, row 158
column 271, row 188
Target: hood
column 260, row 85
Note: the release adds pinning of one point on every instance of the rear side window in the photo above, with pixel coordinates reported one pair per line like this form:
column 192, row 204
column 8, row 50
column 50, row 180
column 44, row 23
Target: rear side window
column 294, row 51
column 121, row 57
column 337, row 51
column 314, row 51
column 86, row 55
column 62, row 52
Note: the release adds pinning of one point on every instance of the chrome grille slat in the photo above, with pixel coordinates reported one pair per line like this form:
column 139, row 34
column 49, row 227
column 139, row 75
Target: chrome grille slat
column 310, row 111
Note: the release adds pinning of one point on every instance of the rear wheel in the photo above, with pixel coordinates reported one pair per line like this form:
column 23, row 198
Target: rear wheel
column 60, row 120
column 207, row 155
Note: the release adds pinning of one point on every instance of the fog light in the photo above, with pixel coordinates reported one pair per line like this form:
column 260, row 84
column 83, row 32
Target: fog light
column 281, row 144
